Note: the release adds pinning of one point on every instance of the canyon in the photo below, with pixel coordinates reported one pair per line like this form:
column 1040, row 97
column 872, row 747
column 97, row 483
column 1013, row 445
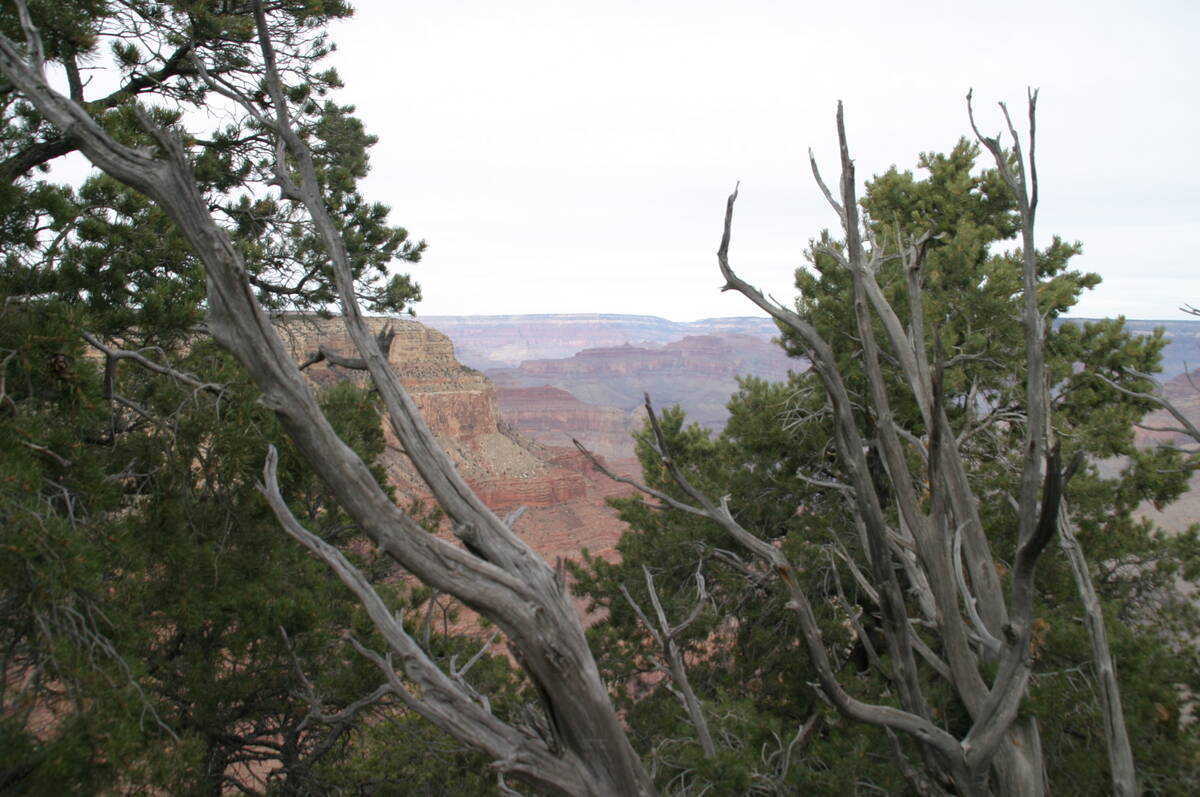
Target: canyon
column 597, row 394
column 561, row 493
column 509, row 430
column 498, row 341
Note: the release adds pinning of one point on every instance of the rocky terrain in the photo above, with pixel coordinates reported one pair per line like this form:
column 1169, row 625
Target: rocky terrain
column 459, row 405
column 564, row 376
column 564, row 497
column 510, row 438
column 554, row 417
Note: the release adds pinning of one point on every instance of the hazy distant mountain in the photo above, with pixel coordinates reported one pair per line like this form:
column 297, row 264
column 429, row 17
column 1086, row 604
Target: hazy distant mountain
column 496, row 341
column 508, row 340
column 699, row 373
column 600, row 364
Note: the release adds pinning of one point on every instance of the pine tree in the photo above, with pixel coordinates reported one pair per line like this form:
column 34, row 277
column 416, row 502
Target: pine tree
column 158, row 631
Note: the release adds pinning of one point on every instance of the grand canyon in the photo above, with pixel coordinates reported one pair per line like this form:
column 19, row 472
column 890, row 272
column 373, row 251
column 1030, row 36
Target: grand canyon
column 547, row 380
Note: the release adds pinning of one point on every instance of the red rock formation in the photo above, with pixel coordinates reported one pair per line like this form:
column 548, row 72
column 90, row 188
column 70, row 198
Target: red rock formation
column 455, row 401
column 458, row 404
column 554, row 417
column 504, row 495
column 563, row 530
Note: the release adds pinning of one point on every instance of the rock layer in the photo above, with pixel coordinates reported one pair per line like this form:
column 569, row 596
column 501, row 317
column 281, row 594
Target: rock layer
column 554, row 417
column 458, row 404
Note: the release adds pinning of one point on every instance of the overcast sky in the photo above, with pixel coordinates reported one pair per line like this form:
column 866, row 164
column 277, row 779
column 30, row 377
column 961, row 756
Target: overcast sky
column 575, row 157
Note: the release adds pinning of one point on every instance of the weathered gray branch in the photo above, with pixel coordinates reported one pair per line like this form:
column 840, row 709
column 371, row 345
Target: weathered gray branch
column 1120, row 750
column 918, row 727
column 438, row 697
column 1158, row 397
column 324, row 353
column 113, row 356
column 1035, row 524
column 951, row 526
column 664, row 636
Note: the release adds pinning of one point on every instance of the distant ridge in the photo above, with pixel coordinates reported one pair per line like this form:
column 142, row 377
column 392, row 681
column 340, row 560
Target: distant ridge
column 496, row 341
column 493, row 341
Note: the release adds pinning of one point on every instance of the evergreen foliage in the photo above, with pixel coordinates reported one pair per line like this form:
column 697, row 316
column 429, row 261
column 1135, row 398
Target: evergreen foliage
column 776, row 461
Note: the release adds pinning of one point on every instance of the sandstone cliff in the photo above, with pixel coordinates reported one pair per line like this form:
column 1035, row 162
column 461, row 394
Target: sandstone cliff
column 459, row 405
column 554, row 417
column 565, row 497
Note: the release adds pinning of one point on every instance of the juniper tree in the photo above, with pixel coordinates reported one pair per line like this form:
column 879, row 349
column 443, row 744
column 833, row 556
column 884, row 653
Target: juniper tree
column 939, row 267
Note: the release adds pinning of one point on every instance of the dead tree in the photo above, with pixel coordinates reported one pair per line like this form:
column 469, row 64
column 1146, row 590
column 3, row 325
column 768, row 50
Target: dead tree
column 585, row 751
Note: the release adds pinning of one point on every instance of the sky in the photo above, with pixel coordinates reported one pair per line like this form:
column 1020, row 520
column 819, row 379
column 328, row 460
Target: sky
column 571, row 157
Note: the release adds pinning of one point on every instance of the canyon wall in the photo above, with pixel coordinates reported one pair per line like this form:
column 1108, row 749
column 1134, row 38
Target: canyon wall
column 459, row 405
column 554, row 417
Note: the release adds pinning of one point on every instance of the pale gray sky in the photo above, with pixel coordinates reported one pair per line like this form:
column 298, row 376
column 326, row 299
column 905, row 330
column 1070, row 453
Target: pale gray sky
column 575, row 157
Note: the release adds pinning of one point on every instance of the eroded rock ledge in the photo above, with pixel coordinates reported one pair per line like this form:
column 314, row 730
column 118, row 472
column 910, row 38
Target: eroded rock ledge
column 459, row 404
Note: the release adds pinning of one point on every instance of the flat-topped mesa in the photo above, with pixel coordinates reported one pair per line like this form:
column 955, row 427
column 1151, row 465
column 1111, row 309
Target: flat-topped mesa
column 458, row 404
column 495, row 341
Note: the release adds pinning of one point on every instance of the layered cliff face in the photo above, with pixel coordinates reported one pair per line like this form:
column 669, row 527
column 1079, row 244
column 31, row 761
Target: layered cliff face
column 554, row 417
column 458, row 404
column 455, row 401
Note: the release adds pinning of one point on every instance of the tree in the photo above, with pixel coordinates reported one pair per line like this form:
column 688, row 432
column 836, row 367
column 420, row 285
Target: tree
column 581, row 748
column 138, row 557
column 924, row 374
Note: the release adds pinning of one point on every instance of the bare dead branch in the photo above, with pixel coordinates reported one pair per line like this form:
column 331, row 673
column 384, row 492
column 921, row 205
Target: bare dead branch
column 113, row 356
column 62, row 461
column 837, row 206
column 441, row 699
column 916, row 725
column 1158, row 397
column 511, row 585
column 664, row 636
